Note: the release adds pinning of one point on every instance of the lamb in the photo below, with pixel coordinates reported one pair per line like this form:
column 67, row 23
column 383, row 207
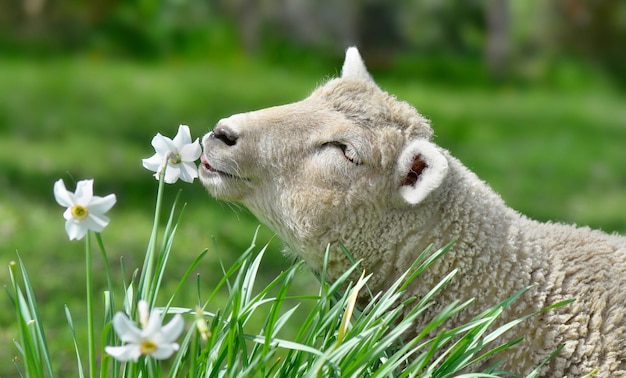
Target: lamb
column 352, row 165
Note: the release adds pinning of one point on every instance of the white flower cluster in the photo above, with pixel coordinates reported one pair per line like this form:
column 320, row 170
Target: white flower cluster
column 175, row 158
column 86, row 212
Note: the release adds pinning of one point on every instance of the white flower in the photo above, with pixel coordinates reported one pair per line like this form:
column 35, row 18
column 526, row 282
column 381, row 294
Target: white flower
column 84, row 210
column 152, row 339
column 179, row 154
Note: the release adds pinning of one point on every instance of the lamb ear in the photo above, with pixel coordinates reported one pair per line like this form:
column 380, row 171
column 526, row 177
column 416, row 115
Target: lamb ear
column 422, row 168
column 353, row 66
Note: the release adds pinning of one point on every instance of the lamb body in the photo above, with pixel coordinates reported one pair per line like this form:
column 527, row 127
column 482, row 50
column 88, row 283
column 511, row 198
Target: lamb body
column 353, row 165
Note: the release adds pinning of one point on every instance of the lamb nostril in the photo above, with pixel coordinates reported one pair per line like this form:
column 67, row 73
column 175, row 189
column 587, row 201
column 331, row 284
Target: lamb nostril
column 226, row 135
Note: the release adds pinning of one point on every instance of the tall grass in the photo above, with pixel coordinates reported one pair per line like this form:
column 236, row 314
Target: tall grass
column 335, row 339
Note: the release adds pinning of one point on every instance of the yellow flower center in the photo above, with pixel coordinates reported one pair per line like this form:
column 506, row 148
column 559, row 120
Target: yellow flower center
column 147, row 347
column 79, row 212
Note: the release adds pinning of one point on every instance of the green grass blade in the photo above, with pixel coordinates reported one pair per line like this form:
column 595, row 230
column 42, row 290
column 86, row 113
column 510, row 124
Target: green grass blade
column 276, row 342
column 425, row 260
column 33, row 308
column 79, row 364
column 29, row 349
column 166, row 248
column 194, row 264
column 107, row 272
column 145, row 279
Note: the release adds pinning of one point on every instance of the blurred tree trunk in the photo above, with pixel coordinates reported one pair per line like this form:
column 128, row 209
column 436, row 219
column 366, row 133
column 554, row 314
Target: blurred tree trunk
column 378, row 35
column 34, row 24
column 497, row 48
column 596, row 31
column 248, row 17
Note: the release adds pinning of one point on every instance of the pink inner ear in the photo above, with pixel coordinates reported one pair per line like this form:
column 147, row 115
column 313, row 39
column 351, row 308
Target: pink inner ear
column 416, row 170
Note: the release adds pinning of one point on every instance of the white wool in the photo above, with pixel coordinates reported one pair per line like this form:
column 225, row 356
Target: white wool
column 351, row 165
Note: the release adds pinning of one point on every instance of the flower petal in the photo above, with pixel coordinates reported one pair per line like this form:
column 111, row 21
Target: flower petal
column 143, row 311
column 173, row 329
column 126, row 329
column 84, row 192
column 164, row 351
column 183, row 137
column 153, row 327
column 67, row 214
column 163, row 145
column 95, row 222
column 171, row 173
column 188, row 172
column 154, row 162
column 61, row 195
column 75, row 229
column 190, row 152
column 124, row 353
column 100, row 205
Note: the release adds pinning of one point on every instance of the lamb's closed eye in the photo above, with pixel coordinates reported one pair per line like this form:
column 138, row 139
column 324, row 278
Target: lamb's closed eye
column 348, row 151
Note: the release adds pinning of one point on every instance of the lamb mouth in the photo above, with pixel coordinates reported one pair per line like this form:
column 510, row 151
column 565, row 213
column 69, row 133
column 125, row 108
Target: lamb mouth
column 209, row 169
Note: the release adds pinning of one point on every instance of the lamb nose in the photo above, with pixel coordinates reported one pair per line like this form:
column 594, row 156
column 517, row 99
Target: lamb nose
column 226, row 135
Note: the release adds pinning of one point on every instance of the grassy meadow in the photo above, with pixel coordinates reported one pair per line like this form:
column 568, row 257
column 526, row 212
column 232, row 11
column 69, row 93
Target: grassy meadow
column 553, row 154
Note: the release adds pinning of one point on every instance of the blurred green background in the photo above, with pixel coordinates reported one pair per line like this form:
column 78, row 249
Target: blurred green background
column 528, row 94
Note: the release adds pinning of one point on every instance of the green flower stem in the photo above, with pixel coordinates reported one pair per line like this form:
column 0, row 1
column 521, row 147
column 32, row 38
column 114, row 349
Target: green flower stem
column 90, row 329
column 145, row 280
column 107, row 270
column 111, row 338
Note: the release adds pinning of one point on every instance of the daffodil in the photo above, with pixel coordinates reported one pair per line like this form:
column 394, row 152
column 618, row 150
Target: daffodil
column 84, row 210
column 179, row 155
column 152, row 339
